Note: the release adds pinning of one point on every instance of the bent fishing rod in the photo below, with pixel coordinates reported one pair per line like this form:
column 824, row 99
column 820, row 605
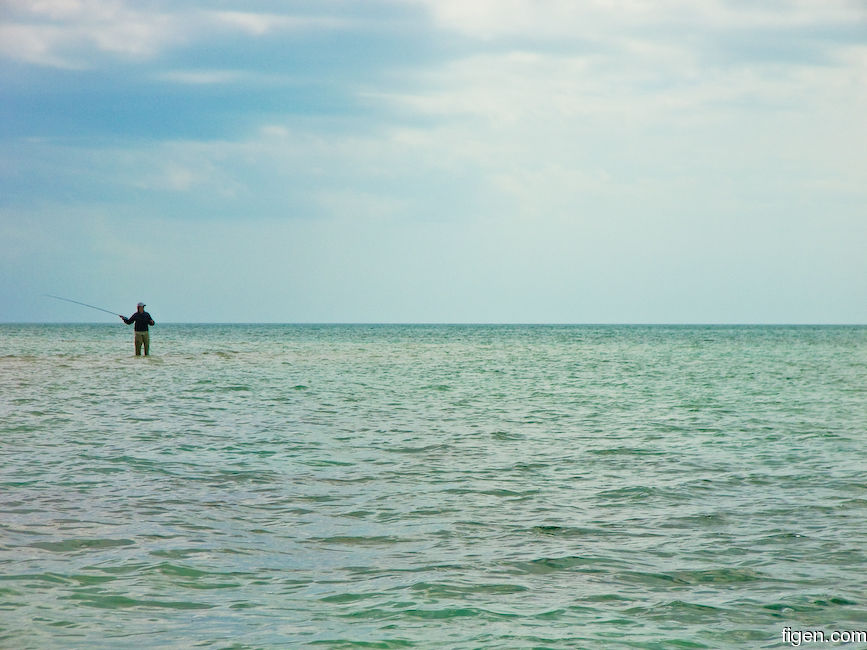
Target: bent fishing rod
column 84, row 304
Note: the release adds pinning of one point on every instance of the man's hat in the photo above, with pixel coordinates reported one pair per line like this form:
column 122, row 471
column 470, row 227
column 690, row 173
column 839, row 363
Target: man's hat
column 141, row 304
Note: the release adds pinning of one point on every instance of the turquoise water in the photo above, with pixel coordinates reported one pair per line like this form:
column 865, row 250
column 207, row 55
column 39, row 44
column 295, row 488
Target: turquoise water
column 267, row 486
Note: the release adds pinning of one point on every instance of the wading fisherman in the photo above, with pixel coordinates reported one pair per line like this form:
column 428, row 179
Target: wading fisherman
column 141, row 319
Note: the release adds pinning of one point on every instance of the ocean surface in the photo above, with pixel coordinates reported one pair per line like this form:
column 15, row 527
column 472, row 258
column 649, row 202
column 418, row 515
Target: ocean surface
column 277, row 486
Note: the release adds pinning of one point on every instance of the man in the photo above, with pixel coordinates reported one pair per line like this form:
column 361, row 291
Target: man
column 141, row 319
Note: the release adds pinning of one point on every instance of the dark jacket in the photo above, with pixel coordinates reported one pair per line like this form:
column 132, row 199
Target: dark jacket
column 141, row 319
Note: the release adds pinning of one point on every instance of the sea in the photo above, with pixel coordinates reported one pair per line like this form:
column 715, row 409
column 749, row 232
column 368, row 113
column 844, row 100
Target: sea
column 433, row 486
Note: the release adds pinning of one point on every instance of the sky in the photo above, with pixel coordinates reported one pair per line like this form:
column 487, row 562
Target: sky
column 445, row 161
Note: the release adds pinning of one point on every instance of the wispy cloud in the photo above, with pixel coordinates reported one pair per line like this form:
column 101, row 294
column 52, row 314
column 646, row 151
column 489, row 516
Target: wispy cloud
column 74, row 34
column 490, row 19
column 201, row 77
column 258, row 24
column 69, row 33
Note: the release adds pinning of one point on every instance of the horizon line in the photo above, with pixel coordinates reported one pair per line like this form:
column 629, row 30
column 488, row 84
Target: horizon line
column 472, row 323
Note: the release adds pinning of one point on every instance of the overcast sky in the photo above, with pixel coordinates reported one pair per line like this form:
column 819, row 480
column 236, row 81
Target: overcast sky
column 536, row 161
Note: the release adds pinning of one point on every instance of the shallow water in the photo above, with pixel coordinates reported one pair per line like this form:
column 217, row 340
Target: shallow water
column 264, row 486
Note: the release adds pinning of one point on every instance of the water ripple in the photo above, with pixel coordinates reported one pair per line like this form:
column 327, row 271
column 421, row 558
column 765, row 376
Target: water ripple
column 460, row 487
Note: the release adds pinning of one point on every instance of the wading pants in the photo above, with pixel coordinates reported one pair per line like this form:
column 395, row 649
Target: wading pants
column 142, row 338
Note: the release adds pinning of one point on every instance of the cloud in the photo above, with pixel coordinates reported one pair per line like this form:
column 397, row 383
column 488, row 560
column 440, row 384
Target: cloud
column 76, row 34
column 642, row 85
column 508, row 136
column 201, row 77
column 224, row 77
column 492, row 19
column 258, row 24
column 35, row 44
column 709, row 34
column 70, row 33
column 520, row 129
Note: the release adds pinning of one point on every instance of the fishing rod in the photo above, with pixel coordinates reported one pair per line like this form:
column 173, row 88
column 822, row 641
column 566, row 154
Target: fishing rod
column 84, row 304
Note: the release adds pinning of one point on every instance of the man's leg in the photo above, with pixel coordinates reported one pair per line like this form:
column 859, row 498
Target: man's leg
column 146, row 338
column 137, row 344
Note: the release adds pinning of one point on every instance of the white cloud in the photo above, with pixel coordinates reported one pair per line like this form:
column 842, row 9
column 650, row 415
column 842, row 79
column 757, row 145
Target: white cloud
column 70, row 33
column 488, row 19
column 214, row 77
column 639, row 86
column 37, row 44
column 75, row 33
column 536, row 132
column 178, row 167
column 201, row 77
column 258, row 24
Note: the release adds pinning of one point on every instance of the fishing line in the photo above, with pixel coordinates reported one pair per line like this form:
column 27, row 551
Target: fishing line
column 84, row 304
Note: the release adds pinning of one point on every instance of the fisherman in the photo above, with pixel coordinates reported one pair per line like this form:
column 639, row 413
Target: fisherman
column 141, row 319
